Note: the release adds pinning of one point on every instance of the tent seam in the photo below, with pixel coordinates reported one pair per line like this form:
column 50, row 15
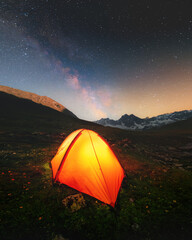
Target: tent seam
column 99, row 166
column 64, row 157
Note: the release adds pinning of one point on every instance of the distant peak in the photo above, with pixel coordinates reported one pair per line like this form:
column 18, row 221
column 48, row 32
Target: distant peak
column 126, row 116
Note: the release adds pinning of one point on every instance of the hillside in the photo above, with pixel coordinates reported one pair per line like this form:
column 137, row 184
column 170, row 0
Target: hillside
column 43, row 100
column 184, row 125
column 154, row 202
column 19, row 114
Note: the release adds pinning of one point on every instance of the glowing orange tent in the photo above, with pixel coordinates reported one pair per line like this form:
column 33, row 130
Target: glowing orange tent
column 85, row 162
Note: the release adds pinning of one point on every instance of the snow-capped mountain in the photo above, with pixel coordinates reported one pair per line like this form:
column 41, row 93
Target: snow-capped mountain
column 133, row 122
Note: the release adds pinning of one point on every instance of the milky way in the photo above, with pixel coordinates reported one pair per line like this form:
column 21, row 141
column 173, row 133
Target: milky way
column 100, row 58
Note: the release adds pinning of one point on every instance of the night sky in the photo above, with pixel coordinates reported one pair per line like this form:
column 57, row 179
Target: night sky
column 100, row 58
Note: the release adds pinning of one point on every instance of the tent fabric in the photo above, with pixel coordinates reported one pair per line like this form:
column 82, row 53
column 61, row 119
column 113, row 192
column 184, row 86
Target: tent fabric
column 85, row 162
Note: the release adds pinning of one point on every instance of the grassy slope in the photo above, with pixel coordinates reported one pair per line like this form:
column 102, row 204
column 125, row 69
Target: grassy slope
column 155, row 200
column 183, row 126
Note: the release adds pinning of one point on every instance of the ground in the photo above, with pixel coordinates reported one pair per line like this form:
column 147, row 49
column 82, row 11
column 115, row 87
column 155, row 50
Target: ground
column 154, row 202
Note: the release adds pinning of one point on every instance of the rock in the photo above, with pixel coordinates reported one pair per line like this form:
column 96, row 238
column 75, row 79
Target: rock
column 135, row 226
column 60, row 237
column 178, row 165
column 187, row 147
column 181, row 168
column 171, row 148
column 74, row 202
column 125, row 145
column 186, row 154
column 63, row 134
column 131, row 200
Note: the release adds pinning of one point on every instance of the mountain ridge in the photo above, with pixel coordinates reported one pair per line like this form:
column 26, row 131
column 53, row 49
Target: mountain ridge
column 43, row 100
column 132, row 122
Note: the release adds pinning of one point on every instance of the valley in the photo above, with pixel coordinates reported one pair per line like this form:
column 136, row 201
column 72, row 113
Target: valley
column 156, row 195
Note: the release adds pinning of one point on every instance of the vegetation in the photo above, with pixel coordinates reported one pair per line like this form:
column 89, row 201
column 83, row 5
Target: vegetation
column 155, row 201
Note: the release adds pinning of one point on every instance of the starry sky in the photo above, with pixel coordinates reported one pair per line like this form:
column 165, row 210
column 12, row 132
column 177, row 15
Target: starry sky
column 100, row 58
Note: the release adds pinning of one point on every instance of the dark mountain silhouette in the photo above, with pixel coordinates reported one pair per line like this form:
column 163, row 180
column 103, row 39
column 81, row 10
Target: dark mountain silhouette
column 19, row 114
column 43, row 100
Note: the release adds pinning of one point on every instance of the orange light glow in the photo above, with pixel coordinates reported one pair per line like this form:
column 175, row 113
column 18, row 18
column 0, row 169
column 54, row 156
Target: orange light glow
column 86, row 163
